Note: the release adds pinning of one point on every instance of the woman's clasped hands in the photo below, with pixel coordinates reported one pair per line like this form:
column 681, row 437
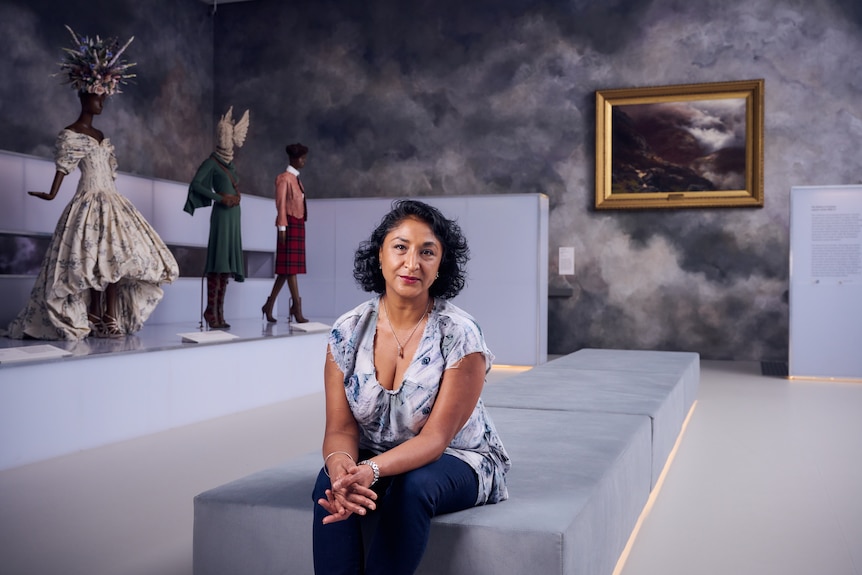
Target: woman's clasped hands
column 350, row 492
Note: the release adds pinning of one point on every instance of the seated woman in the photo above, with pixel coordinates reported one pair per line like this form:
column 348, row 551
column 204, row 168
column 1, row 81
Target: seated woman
column 407, row 436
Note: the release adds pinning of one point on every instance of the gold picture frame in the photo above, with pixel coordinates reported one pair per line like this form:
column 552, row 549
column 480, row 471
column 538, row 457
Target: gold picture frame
column 688, row 145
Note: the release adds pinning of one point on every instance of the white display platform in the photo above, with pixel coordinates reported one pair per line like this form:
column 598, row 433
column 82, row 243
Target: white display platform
column 113, row 390
column 31, row 353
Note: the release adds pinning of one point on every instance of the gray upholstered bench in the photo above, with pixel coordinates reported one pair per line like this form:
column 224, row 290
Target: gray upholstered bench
column 659, row 384
column 584, row 461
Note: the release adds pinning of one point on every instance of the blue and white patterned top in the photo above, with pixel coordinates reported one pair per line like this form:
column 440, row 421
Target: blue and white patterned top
column 388, row 418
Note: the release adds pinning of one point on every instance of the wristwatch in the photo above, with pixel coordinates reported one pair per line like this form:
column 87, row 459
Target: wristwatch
column 370, row 463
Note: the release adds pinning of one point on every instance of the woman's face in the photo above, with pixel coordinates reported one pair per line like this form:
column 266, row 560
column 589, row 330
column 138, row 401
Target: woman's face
column 410, row 258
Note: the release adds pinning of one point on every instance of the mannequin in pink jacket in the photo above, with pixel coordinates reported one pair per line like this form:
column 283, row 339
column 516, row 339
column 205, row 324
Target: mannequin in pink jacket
column 290, row 222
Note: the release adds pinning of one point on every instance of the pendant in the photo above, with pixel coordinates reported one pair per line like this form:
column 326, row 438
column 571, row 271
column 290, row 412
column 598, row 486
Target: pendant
column 400, row 352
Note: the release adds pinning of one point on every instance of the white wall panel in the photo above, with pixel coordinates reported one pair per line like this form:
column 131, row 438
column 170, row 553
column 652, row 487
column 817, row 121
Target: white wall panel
column 12, row 192
column 507, row 274
column 258, row 223
column 139, row 191
column 173, row 224
column 42, row 215
column 826, row 282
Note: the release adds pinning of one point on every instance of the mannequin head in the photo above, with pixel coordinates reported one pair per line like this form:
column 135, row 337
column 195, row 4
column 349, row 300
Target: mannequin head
column 297, row 154
column 92, row 103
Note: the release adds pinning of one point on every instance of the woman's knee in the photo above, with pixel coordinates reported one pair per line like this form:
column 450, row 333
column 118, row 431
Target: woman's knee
column 418, row 487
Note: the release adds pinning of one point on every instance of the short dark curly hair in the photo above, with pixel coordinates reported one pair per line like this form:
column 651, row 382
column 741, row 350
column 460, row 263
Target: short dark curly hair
column 452, row 272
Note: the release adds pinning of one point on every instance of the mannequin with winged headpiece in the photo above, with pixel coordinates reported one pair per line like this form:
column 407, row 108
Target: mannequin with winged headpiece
column 216, row 183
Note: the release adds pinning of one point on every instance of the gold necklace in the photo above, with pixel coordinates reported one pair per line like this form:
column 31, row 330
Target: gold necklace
column 415, row 327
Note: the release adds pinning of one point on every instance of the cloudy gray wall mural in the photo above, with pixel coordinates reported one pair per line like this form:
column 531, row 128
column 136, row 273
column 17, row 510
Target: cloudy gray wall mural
column 496, row 97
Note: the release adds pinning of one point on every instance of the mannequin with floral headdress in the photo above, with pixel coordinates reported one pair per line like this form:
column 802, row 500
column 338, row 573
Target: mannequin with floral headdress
column 104, row 265
column 216, row 183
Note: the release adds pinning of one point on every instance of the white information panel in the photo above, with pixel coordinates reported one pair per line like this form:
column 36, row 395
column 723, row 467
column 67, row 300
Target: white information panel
column 826, row 282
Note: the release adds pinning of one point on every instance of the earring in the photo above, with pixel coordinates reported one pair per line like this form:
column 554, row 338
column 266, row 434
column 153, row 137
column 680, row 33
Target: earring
column 437, row 277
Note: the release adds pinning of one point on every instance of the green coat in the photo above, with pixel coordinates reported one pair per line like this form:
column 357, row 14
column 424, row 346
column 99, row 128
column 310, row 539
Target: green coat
column 224, row 250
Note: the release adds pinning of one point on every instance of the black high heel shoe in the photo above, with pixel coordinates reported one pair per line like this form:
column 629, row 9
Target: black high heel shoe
column 266, row 310
column 211, row 318
column 296, row 311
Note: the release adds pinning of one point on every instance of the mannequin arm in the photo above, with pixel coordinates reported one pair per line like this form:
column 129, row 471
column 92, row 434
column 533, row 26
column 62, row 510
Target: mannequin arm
column 55, row 187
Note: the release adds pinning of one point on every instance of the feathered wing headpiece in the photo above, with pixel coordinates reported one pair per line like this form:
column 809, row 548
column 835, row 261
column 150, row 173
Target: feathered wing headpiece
column 94, row 65
column 240, row 130
column 230, row 134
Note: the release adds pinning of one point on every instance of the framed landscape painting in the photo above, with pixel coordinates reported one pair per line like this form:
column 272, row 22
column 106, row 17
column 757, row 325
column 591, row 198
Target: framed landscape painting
column 689, row 145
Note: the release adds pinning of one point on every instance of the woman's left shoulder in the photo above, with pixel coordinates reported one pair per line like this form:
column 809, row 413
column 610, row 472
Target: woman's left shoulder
column 452, row 312
column 460, row 334
column 452, row 319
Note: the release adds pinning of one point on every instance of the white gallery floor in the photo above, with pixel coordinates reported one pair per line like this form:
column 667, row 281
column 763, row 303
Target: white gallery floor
column 765, row 481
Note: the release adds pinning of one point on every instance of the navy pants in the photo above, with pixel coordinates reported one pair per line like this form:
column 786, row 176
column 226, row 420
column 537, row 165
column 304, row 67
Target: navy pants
column 405, row 505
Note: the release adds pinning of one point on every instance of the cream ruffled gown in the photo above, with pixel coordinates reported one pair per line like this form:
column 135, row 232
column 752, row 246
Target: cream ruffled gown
column 101, row 239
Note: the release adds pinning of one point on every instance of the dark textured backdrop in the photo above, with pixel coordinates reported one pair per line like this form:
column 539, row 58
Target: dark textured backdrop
column 488, row 97
column 161, row 125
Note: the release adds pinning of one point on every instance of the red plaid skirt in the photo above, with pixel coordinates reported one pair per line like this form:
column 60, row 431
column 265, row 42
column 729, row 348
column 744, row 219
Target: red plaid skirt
column 290, row 254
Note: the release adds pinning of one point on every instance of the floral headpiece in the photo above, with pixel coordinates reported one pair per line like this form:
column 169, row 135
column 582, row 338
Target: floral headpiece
column 94, row 66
